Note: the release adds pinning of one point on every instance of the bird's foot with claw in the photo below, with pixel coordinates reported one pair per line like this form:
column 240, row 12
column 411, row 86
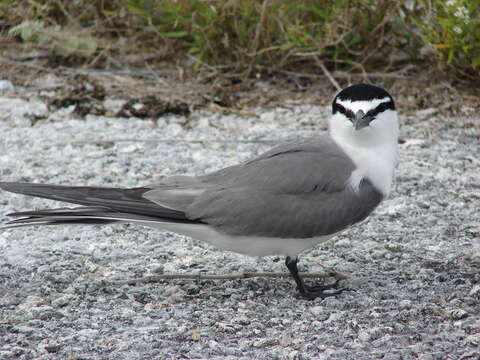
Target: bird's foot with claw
column 319, row 291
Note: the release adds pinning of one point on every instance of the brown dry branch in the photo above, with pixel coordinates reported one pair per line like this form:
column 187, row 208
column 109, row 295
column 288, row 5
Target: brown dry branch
column 338, row 74
column 232, row 276
column 327, row 73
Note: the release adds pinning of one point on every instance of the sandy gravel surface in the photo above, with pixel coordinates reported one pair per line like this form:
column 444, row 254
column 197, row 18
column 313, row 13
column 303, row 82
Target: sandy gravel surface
column 414, row 264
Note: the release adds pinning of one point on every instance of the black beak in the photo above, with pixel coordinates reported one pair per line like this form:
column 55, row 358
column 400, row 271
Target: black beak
column 362, row 120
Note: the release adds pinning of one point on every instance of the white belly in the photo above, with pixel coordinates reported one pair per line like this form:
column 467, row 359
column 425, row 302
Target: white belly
column 247, row 245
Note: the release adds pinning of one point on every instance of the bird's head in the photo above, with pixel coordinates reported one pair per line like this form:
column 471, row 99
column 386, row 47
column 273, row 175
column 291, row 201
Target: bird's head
column 364, row 115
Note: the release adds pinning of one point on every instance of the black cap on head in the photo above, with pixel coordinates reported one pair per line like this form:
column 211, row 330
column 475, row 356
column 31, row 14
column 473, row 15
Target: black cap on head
column 363, row 92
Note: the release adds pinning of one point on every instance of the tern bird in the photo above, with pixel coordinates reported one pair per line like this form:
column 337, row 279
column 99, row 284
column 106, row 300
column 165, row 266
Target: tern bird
column 282, row 202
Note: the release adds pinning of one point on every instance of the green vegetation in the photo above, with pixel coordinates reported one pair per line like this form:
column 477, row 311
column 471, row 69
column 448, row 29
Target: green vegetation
column 60, row 41
column 453, row 29
column 364, row 34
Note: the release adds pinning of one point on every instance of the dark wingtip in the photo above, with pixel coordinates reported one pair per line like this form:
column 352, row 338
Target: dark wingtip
column 22, row 213
column 4, row 185
column 32, row 189
column 11, row 186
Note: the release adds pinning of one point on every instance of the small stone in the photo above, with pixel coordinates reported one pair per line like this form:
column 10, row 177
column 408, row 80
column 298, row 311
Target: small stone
column 12, row 353
column 405, row 304
column 128, row 149
column 53, row 348
column 62, row 301
column 294, row 355
column 6, row 86
column 343, row 243
column 426, row 113
column 470, row 355
column 475, row 292
column 473, row 339
column 26, row 330
column 50, row 315
column 88, row 332
column 285, row 340
column 195, row 336
column 268, row 117
column 32, row 301
column 364, row 336
column 457, row 314
column 159, row 269
column 320, row 313
column 263, row 343
column 9, row 301
column 213, row 344
column 203, row 123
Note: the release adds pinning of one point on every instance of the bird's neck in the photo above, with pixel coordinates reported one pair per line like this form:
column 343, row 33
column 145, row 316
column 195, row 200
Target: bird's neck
column 374, row 162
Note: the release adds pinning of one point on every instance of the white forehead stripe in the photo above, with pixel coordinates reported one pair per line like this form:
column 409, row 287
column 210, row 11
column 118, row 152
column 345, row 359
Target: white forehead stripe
column 364, row 105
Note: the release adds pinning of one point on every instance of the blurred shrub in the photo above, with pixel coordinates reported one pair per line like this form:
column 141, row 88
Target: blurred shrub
column 364, row 33
column 61, row 41
column 273, row 32
column 453, row 30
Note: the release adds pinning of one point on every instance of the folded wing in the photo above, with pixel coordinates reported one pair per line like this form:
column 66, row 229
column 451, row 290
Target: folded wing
column 292, row 191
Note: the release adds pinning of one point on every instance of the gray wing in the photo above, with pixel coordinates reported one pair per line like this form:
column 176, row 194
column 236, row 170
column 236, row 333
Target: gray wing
column 292, row 191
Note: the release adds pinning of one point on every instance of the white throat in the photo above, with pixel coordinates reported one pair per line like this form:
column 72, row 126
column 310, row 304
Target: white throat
column 373, row 149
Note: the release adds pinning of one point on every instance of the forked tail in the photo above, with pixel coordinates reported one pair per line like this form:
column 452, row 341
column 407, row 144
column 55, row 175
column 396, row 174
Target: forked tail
column 101, row 206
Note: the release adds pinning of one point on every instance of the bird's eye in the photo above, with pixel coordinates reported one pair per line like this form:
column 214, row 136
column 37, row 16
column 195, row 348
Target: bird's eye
column 380, row 108
column 347, row 112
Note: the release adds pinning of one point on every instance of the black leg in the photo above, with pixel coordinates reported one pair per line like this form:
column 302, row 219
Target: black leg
column 310, row 292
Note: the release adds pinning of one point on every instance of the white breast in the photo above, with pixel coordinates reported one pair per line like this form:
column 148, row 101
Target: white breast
column 377, row 167
column 372, row 149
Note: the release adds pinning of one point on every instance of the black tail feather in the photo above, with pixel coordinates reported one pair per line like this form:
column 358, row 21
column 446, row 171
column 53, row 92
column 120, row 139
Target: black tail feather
column 128, row 201
column 84, row 210
column 80, row 215
column 101, row 206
